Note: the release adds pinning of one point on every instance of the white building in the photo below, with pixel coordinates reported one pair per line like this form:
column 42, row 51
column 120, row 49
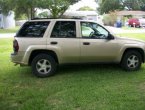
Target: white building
column 134, row 14
column 7, row 21
column 86, row 15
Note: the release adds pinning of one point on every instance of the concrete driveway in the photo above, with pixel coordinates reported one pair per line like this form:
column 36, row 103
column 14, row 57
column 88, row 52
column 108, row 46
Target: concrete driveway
column 120, row 30
column 9, row 35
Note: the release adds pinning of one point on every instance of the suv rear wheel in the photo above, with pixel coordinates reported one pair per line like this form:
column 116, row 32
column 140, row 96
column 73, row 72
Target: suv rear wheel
column 131, row 60
column 43, row 65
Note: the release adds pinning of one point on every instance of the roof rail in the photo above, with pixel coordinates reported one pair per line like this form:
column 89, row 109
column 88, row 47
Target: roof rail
column 54, row 18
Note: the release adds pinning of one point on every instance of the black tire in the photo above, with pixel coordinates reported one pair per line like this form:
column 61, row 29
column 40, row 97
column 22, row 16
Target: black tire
column 128, row 63
column 43, row 65
column 137, row 26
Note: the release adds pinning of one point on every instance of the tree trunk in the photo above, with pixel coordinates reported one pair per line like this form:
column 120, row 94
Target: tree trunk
column 32, row 13
column 28, row 14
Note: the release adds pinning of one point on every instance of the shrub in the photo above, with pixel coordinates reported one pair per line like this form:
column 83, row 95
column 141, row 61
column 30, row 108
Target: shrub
column 110, row 19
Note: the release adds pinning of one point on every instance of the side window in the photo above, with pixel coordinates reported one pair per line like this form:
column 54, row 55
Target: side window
column 64, row 29
column 33, row 29
column 93, row 30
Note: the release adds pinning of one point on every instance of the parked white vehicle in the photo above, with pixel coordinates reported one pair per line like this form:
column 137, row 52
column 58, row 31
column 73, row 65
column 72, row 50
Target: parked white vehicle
column 142, row 22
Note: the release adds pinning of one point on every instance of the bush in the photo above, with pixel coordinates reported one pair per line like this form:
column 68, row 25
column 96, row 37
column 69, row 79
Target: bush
column 110, row 19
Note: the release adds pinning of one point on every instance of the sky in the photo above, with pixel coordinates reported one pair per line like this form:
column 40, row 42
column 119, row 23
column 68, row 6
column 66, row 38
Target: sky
column 91, row 3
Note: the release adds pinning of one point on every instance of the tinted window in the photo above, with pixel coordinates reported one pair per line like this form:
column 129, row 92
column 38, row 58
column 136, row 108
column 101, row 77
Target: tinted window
column 64, row 29
column 93, row 30
column 33, row 29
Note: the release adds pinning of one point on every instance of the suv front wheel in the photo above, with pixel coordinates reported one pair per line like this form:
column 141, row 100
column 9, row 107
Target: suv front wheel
column 43, row 65
column 131, row 60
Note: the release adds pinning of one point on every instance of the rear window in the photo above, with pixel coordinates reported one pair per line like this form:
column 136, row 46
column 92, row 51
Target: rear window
column 33, row 29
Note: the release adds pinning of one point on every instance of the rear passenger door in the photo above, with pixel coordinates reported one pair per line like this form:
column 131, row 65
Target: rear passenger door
column 63, row 40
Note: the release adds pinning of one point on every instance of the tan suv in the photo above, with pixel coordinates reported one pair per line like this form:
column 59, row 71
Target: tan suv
column 45, row 44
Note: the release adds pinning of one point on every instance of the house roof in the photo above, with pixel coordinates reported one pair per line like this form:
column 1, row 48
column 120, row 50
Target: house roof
column 123, row 13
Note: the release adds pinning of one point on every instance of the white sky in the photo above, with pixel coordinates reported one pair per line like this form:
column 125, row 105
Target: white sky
column 91, row 3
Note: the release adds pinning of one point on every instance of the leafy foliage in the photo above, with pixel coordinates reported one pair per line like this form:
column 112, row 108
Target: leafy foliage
column 28, row 7
column 110, row 19
column 43, row 14
column 6, row 6
column 56, row 7
column 131, row 4
column 142, row 4
column 85, row 8
column 111, row 5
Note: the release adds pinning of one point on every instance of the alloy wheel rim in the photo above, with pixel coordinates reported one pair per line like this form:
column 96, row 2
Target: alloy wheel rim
column 43, row 66
column 132, row 61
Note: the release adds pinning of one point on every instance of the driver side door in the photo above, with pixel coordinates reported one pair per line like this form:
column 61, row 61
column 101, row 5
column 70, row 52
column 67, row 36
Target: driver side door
column 95, row 46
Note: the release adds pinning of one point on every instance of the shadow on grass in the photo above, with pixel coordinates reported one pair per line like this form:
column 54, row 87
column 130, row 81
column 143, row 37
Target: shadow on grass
column 91, row 69
column 85, row 69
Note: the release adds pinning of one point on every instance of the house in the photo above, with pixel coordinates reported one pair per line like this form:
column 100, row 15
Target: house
column 87, row 15
column 134, row 14
column 7, row 21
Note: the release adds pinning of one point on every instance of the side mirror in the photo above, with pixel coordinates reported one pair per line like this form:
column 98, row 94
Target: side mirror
column 110, row 37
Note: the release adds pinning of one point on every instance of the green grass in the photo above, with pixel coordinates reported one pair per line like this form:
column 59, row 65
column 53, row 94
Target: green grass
column 11, row 30
column 135, row 35
column 87, row 87
column 130, row 28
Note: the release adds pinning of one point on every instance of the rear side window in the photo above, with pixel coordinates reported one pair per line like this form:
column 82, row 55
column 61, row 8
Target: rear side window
column 64, row 29
column 33, row 29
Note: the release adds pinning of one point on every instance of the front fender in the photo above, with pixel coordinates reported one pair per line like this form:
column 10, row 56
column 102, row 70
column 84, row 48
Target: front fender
column 126, row 47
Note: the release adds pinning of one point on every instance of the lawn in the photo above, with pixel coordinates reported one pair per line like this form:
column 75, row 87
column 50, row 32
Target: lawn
column 11, row 30
column 130, row 28
column 134, row 35
column 88, row 87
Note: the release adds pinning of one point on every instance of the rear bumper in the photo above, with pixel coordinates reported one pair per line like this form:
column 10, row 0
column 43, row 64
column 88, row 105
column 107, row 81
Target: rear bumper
column 17, row 58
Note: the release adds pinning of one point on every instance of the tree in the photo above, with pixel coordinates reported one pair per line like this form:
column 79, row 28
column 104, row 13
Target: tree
column 142, row 5
column 131, row 4
column 110, row 5
column 6, row 6
column 29, row 7
column 56, row 7
column 19, row 6
column 25, row 7
column 43, row 14
column 85, row 8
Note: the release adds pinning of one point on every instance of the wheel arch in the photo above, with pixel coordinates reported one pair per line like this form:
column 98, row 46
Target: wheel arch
column 135, row 49
column 34, row 53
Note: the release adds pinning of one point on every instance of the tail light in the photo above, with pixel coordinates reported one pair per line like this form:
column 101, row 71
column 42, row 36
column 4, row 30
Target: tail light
column 15, row 46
